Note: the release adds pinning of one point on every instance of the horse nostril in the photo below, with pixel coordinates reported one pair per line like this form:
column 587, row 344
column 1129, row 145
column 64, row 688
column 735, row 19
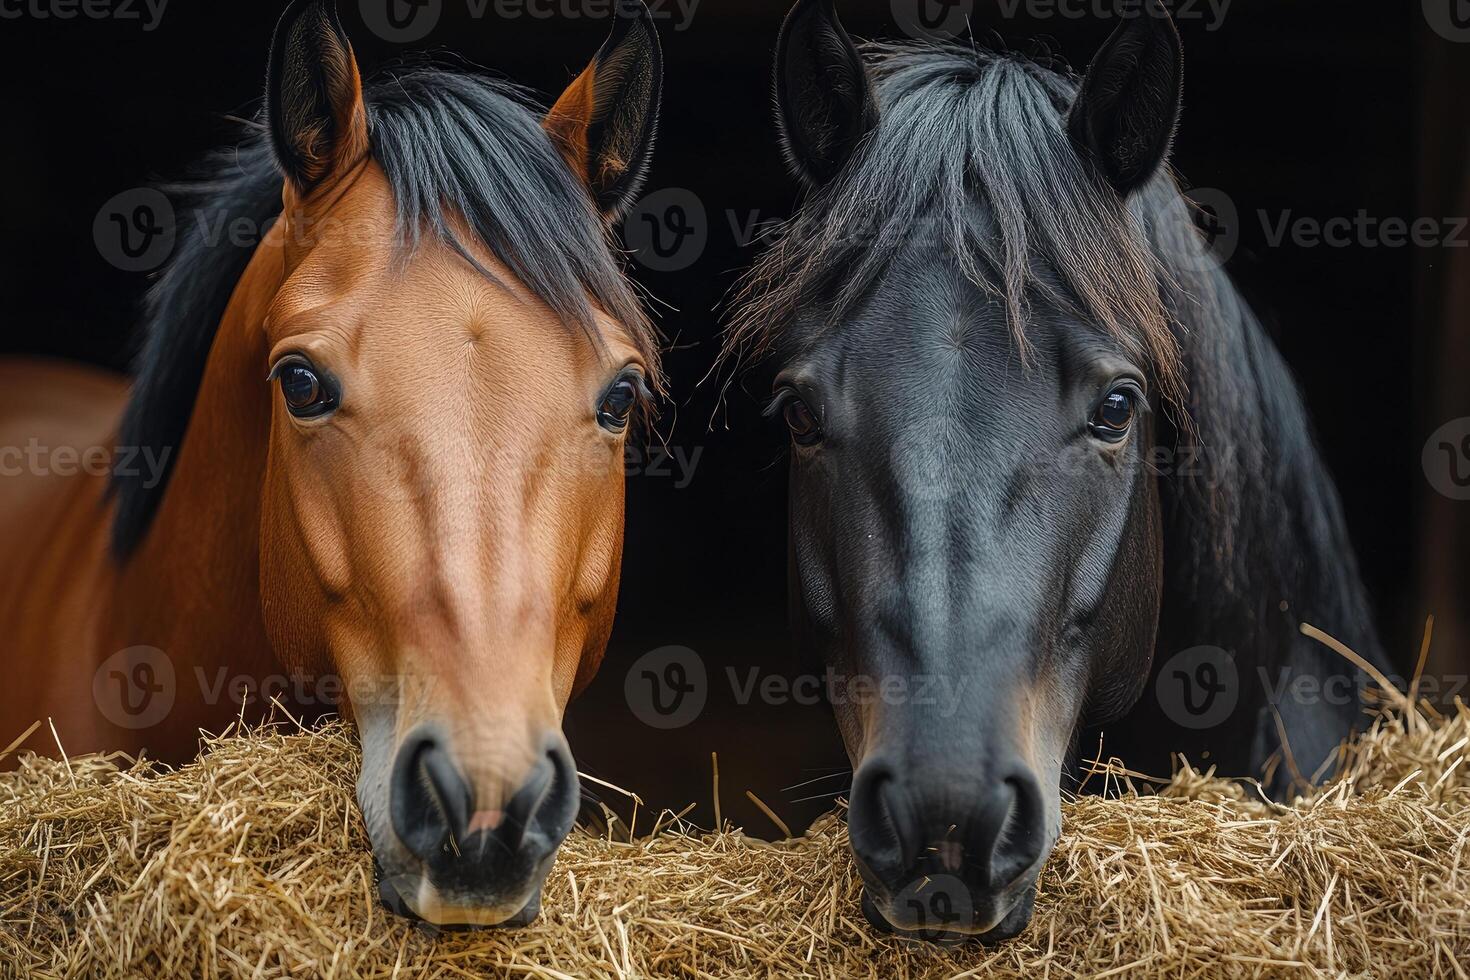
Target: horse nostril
column 430, row 800
column 545, row 804
column 872, row 821
column 1023, row 837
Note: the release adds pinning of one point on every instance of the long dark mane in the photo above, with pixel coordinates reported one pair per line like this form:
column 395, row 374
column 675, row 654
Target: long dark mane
column 975, row 144
column 454, row 146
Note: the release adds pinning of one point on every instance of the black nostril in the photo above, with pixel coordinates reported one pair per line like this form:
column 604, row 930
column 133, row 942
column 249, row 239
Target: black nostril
column 521, row 809
column 872, row 821
column 430, row 800
column 557, row 811
column 1023, row 836
column 546, row 803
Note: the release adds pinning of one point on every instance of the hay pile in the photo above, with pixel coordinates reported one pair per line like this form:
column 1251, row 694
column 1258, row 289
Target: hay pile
column 253, row 862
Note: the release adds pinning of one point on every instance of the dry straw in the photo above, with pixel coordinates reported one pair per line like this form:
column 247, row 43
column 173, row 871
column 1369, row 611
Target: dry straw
column 253, row 862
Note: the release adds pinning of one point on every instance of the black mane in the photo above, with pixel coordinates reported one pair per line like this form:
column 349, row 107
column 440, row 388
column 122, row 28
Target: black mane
column 959, row 124
column 453, row 146
column 1255, row 542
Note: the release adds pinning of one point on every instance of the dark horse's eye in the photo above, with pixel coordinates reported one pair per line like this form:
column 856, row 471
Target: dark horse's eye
column 799, row 419
column 306, row 394
column 617, row 404
column 1114, row 415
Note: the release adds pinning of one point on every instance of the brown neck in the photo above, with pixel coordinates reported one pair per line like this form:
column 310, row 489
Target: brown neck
column 191, row 589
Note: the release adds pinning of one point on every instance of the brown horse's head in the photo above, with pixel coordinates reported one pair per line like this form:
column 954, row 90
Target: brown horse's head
column 456, row 357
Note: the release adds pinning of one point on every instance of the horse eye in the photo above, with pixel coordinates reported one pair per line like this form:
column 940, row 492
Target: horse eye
column 305, row 393
column 800, row 420
column 1113, row 416
column 617, row 405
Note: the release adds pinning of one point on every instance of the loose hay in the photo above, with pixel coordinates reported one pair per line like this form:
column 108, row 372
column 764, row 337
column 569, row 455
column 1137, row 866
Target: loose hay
column 253, row 862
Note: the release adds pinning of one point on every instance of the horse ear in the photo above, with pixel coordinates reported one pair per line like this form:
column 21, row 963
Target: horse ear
column 824, row 100
column 1126, row 110
column 313, row 95
column 604, row 123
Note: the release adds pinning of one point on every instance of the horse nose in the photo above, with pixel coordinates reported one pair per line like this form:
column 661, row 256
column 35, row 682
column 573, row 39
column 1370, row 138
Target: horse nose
column 976, row 840
column 473, row 851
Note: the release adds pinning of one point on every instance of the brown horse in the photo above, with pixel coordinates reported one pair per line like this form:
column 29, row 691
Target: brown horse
column 373, row 456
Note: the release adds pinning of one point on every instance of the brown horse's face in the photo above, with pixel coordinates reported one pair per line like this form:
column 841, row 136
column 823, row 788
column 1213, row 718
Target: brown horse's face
column 447, row 534
column 441, row 525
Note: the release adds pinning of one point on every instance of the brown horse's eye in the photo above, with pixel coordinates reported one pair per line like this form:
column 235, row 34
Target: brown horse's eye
column 805, row 429
column 617, row 404
column 1114, row 415
column 303, row 390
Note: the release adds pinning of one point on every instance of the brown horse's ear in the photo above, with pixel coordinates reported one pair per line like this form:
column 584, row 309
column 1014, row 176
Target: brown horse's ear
column 314, row 95
column 604, row 123
column 824, row 99
column 1127, row 108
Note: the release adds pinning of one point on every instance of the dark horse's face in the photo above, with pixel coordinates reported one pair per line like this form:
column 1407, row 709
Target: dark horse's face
column 983, row 541
column 973, row 533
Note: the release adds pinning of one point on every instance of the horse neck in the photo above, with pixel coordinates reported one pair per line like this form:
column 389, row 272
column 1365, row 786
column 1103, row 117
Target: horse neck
column 1255, row 542
column 191, row 588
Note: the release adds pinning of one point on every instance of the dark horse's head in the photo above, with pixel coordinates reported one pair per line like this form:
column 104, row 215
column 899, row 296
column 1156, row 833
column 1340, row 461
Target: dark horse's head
column 972, row 356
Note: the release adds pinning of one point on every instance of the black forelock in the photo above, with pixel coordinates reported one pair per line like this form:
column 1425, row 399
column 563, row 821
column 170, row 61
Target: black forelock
column 971, row 144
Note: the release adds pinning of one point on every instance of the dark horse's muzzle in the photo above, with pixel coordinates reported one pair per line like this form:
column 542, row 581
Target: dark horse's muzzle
column 948, row 858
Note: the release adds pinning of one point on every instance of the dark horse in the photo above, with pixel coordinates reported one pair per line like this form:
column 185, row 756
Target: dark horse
column 1040, row 443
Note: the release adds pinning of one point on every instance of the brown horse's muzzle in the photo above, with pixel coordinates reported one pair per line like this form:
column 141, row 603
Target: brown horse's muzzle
column 468, row 864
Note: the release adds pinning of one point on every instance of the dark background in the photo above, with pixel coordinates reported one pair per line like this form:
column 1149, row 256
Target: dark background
column 1319, row 108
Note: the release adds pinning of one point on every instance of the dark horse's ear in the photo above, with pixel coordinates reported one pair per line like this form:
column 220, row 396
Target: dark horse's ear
column 604, row 123
column 313, row 95
column 824, row 99
column 1124, row 116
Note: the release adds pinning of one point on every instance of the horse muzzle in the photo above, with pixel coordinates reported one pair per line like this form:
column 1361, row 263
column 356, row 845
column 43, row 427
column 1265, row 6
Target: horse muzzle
column 946, row 861
column 459, row 864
